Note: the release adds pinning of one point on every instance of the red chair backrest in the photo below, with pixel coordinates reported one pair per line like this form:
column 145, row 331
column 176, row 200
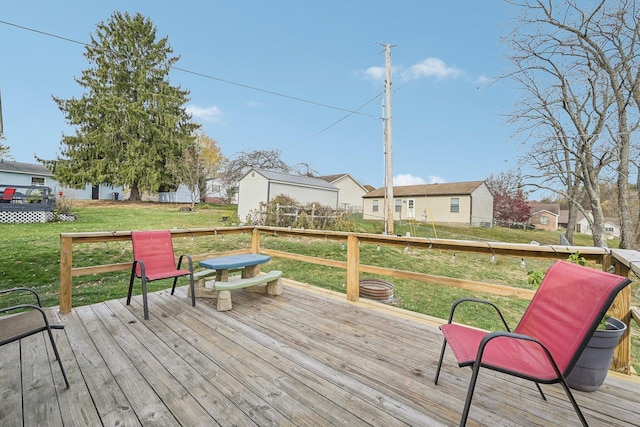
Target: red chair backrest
column 566, row 309
column 8, row 193
column 154, row 249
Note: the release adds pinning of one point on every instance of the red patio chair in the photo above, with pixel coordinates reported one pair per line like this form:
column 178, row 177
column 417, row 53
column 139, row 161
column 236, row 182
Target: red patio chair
column 154, row 259
column 7, row 195
column 553, row 332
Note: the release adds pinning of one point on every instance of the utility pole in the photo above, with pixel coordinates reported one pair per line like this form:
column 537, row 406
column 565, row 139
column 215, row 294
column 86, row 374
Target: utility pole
column 388, row 180
column 1, row 125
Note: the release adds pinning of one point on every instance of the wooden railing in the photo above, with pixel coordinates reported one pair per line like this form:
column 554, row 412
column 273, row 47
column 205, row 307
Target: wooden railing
column 622, row 262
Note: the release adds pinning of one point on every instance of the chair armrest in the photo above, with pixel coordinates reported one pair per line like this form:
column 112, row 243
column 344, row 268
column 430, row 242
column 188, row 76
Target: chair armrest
column 479, row 301
column 21, row 307
column 188, row 257
column 503, row 334
column 33, row 307
column 22, row 289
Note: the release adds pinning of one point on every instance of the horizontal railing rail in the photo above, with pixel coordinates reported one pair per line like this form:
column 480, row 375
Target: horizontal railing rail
column 623, row 262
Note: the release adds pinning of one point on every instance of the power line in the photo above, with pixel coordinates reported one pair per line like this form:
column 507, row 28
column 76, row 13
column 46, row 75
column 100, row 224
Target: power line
column 356, row 111
column 42, row 33
column 207, row 76
column 270, row 92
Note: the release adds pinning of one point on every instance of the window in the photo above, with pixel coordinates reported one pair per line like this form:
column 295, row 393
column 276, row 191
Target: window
column 398, row 205
column 608, row 229
column 375, row 206
column 37, row 180
column 544, row 220
column 455, row 204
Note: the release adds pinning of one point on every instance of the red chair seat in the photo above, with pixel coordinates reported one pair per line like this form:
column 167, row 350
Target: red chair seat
column 525, row 359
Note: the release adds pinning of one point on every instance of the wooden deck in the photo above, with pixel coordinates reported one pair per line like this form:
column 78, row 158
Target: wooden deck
column 305, row 358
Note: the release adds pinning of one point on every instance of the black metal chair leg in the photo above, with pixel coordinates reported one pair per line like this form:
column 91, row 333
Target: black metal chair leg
column 541, row 393
column 472, row 386
column 573, row 402
column 193, row 290
column 133, row 276
column 55, row 351
column 444, row 346
column 144, row 298
column 173, row 288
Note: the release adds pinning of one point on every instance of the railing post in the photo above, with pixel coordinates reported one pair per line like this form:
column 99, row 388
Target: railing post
column 353, row 268
column 66, row 251
column 255, row 241
column 621, row 310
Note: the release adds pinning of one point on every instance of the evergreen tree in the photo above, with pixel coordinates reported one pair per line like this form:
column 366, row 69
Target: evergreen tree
column 130, row 122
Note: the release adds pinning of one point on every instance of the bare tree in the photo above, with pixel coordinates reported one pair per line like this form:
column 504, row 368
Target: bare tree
column 588, row 64
column 198, row 162
column 305, row 169
column 269, row 159
column 5, row 151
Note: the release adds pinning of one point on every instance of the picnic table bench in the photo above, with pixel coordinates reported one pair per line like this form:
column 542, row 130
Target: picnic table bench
column 250, row 278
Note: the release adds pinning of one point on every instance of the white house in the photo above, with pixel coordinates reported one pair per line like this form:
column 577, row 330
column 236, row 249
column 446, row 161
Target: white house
column 181, row 195
column 217, row 193
column 17, row 173
column 611, row 229
column 259, row 186
column 456, row 203
column 351, row 191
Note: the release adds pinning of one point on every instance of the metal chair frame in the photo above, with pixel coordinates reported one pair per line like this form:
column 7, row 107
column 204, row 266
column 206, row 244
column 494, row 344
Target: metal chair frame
column 154, row 259
column 30, row 319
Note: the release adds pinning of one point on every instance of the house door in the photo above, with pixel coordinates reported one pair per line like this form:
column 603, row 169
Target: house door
column 411, row 208
column 95, row 192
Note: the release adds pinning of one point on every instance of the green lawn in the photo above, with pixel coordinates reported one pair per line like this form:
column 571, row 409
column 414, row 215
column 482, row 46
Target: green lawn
column 32, row 253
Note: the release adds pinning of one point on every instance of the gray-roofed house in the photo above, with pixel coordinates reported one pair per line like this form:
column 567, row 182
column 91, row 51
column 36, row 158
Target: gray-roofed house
column 456, row 203
column 260, row 186
column 610, row 225
column 351, row 191
column 25, row 174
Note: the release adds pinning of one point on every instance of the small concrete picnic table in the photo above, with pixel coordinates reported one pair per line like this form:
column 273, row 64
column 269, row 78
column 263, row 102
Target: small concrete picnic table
column 249, row 279
column 249, row 263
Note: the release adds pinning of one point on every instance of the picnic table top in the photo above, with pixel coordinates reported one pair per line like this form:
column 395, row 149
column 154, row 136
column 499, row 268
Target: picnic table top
column 234, row 261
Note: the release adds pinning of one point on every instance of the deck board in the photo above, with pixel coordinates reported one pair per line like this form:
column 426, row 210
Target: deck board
column 303, row 358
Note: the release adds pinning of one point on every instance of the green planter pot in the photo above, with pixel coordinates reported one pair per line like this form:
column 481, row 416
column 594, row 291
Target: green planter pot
column 591, row 369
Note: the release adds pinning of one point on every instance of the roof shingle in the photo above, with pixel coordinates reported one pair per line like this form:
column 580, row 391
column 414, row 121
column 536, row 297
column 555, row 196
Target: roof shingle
column 442, row 189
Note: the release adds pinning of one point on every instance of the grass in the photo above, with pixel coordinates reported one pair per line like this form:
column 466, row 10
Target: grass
column 32, row 253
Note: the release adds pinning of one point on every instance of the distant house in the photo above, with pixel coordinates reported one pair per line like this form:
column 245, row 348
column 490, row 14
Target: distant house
column 611, row 228
column 259, row 186
column 182, row 194
column 351, row 191
column 218, row 193
column 457, row 203
column 544, row 216
column 17, row 173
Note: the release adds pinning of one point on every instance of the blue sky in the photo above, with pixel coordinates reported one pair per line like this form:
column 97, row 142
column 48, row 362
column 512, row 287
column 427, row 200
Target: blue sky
column 448, row 122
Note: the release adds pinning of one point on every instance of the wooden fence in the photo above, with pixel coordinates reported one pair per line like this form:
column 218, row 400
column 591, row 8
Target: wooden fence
column 622, row 262
column 283, row 216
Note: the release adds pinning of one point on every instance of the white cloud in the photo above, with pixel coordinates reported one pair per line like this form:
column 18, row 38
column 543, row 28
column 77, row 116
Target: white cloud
column 205, row 114
column 408, row 179
column 430, row 67
column 375, row 73
column 254, row 104
column 485, row 79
